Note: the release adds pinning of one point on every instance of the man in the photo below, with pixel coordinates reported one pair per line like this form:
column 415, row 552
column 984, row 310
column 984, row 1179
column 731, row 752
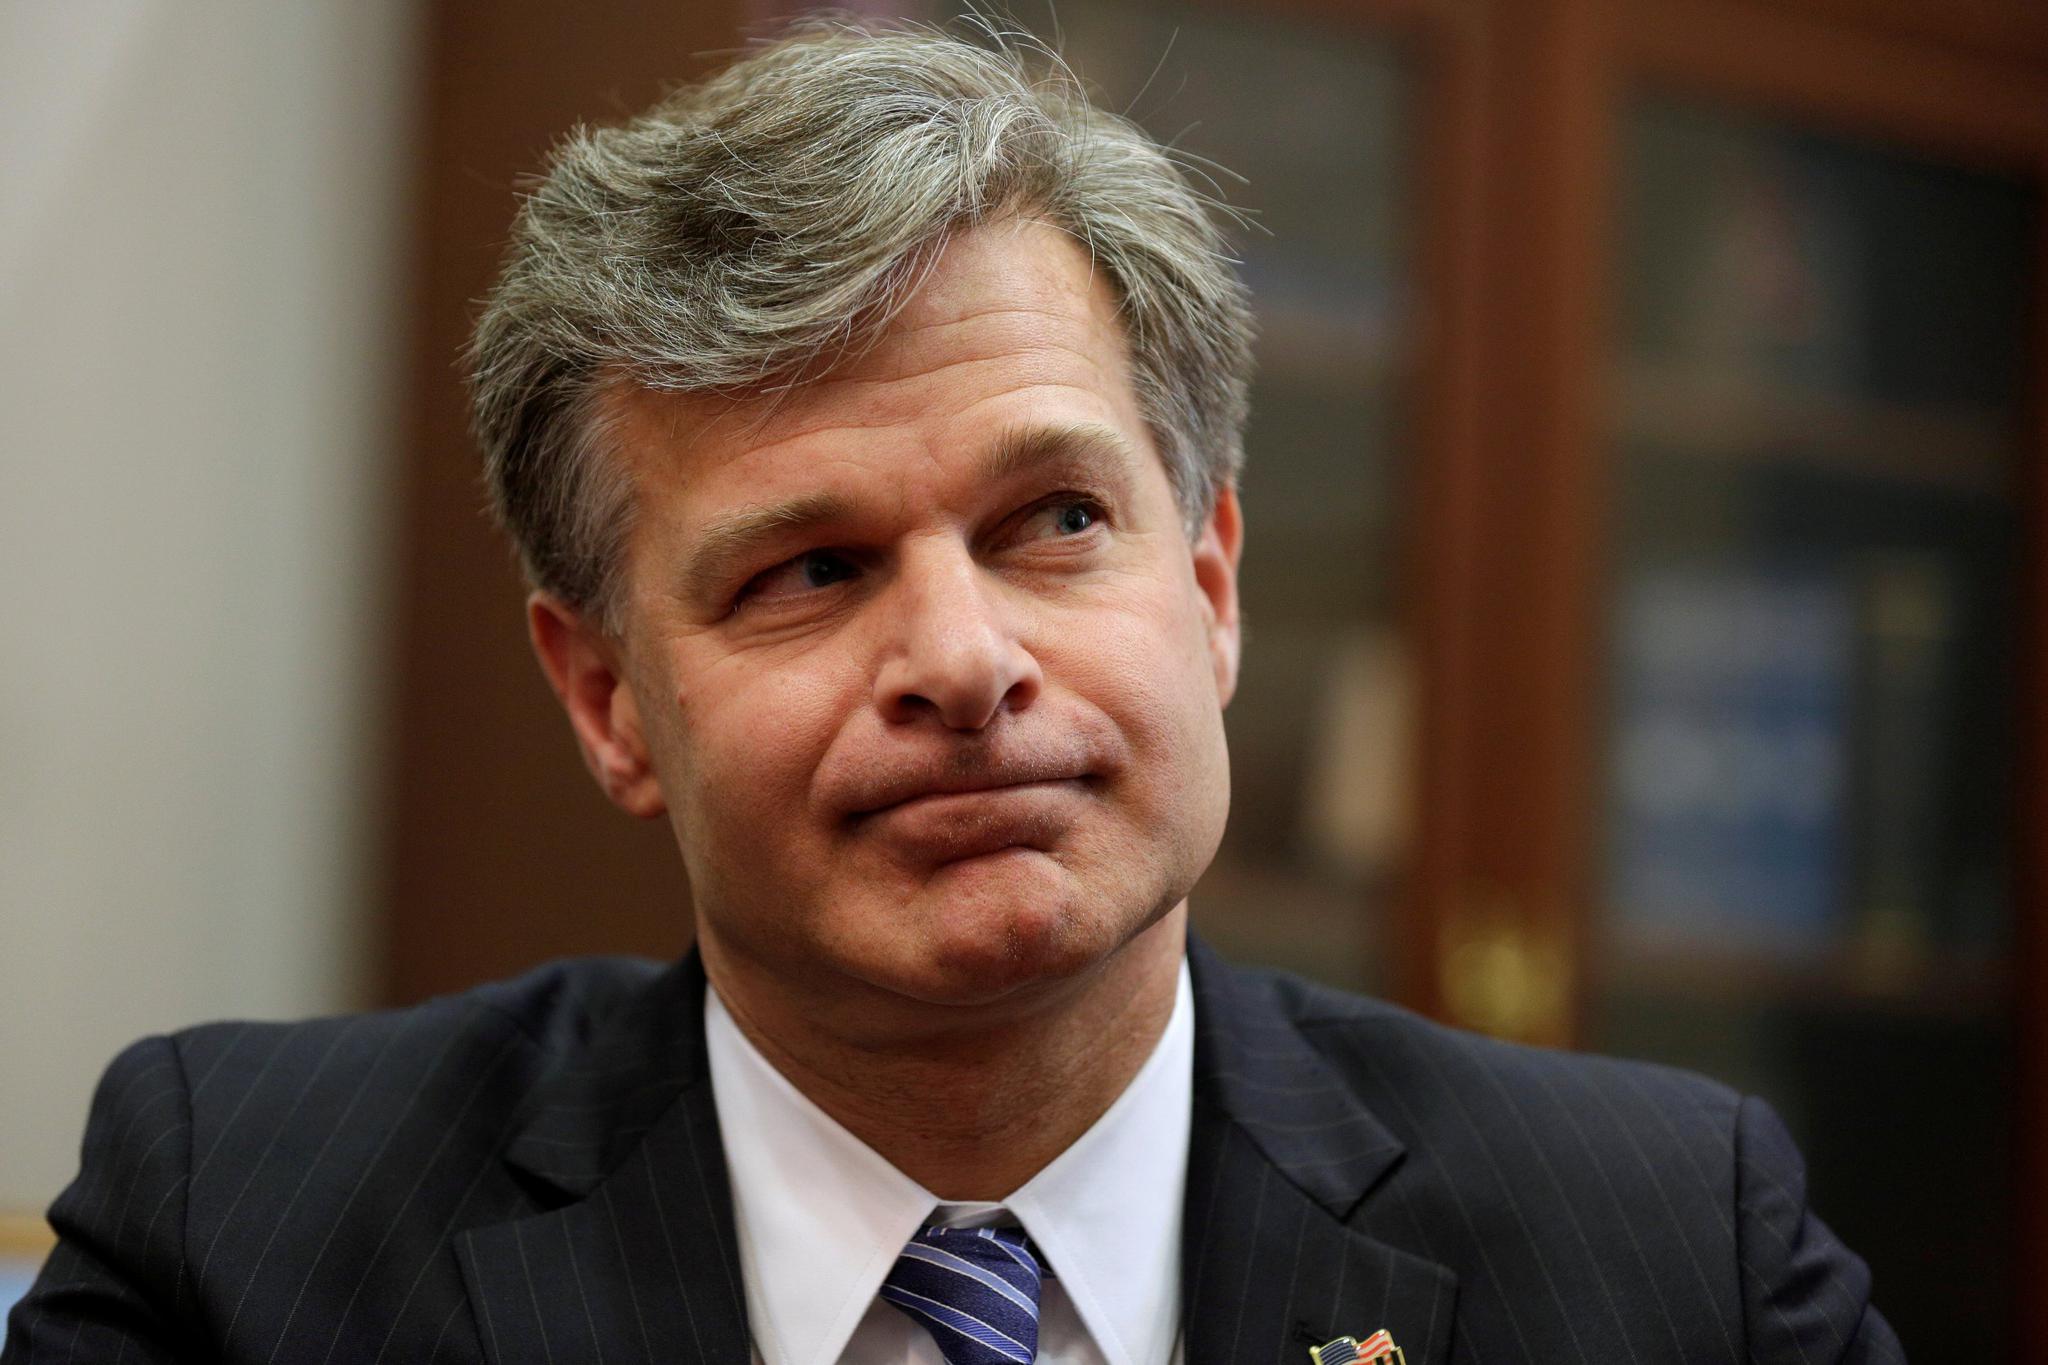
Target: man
column 868, row 421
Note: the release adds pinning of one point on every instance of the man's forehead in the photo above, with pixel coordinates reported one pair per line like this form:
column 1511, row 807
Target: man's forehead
column 1026, row 255
column 1019, row 298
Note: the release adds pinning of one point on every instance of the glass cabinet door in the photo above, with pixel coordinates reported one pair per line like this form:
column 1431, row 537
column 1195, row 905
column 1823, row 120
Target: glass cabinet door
column 1307, row 129
column 1812, row 619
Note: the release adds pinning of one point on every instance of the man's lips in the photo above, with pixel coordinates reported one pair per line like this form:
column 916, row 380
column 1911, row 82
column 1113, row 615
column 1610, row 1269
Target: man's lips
column 942, row 826
column 890, row 794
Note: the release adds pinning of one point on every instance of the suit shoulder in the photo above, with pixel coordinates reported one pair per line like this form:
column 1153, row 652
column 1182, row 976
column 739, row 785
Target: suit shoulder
column 1525, row 1169
column 553, row 1007
column 459, row 1067
column 1423, row 1078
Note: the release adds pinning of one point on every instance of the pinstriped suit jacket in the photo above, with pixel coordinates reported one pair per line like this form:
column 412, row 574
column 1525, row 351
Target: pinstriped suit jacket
column 532, row 1172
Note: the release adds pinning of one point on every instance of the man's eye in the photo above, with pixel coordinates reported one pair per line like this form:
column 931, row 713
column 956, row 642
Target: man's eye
column 1070, row 517
column 808, row 572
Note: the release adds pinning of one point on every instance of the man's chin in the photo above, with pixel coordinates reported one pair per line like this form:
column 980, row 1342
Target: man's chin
column 1002, row 925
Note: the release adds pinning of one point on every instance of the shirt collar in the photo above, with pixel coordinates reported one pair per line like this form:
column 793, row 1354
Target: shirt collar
column 822, row 1217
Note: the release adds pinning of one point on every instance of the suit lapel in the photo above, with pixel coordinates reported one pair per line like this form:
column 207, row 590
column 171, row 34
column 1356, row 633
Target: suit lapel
column 631, row 1253
column 1281, row 1157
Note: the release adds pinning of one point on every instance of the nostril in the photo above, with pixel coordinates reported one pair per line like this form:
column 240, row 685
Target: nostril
column 964, row 686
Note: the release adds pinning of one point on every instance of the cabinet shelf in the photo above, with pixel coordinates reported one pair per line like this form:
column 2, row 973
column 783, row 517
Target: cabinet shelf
column 1747, row 419
column 1928, row 983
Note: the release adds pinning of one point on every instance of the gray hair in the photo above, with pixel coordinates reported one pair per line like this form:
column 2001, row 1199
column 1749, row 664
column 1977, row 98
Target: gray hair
column 755, row 227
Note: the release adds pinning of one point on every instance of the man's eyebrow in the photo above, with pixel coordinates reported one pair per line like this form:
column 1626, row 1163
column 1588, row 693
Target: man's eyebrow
column 730, row 541
column 1107, row 451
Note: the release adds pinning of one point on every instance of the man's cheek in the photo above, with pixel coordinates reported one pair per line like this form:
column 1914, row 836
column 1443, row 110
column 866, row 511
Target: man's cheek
column 1129, row 668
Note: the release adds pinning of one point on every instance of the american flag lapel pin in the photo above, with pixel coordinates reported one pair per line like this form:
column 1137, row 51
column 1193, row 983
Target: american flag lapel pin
column 1377, row 1349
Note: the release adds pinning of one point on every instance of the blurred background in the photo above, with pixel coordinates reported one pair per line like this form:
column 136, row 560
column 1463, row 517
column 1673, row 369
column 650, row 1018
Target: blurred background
column 1643, row 576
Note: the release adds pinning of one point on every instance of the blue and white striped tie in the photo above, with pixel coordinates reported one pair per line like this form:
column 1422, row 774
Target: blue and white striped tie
column 974, row 1289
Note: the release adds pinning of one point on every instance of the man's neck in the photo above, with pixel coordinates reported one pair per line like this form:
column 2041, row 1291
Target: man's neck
column 973, row 1113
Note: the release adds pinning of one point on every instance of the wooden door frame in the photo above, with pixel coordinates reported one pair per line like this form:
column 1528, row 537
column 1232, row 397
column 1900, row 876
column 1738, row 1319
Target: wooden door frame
column 1508, row 518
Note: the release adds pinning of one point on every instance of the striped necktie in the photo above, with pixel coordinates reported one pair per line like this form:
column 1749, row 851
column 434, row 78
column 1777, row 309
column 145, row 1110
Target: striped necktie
column 974, row 1289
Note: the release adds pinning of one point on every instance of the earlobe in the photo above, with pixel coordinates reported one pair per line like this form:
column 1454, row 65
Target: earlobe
column 585, row 668
column 1216, row 553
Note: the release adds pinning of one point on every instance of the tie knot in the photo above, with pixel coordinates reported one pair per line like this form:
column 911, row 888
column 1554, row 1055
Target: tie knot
column 974, row 1289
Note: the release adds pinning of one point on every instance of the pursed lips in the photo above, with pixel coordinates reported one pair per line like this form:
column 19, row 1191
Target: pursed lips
column 959, row 821
column 942, row 794
column 886, row 795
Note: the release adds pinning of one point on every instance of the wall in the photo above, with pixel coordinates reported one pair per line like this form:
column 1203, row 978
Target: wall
column 201, row 268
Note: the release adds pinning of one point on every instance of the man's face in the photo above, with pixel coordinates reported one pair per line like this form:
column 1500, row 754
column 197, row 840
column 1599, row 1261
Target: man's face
column 919, row 658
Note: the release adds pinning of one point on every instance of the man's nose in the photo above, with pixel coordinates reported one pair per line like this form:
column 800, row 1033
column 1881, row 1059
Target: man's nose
column 952, row 650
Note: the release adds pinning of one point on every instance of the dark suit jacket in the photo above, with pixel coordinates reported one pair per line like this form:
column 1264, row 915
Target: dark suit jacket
column 532, row 1172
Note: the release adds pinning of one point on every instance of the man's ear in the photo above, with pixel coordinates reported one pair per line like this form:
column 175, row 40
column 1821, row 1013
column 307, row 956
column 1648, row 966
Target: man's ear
column 585, row 667
column 1216, row 552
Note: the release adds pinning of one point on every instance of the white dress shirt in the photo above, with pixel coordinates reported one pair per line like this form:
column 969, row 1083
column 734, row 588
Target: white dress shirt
column 822, row 1217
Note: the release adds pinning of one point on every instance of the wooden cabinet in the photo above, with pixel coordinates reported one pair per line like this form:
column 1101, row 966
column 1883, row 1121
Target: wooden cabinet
column 1738, row 762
